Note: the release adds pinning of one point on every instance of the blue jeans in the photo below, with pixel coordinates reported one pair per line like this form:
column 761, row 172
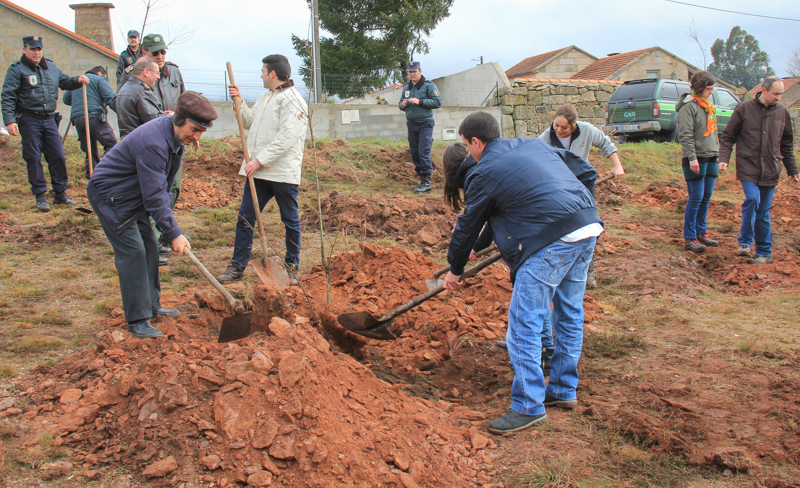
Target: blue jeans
column 557, row 274
column 755, row 217
column 40, row 136
column 286, row 197
column 694, row 219
column 420, row 140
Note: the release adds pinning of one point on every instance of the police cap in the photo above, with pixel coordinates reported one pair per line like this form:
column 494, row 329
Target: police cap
column 413, row 66
column 133, row 33
column 32, row 41
column 195, row 107
column 153, row 43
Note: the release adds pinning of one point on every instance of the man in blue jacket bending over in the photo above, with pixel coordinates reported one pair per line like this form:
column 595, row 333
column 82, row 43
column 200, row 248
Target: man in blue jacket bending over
column 545, row 224
column 132, row 183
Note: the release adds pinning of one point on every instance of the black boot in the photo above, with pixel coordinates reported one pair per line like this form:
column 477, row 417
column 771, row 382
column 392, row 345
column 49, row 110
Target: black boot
column 424, row 184
column 62, row 198
column 231, row 274
column 41, row 202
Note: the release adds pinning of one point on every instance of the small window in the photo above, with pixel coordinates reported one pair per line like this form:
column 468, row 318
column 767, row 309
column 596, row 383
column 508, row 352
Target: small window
column 654, row 73
column 669, row 90
column 725, row 98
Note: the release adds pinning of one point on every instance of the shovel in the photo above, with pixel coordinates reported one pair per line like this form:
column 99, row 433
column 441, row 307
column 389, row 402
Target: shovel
column 268, row 271
column 84, row 210
column 365, row 324
column 236, row 326
column 435, row 281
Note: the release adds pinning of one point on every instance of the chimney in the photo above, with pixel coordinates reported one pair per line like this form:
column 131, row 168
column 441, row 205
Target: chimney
column 93, row 21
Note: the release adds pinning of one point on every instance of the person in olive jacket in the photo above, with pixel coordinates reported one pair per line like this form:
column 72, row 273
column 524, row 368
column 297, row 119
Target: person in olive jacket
column 29, row 99
column 697, row 133
column 419, row 98
column 761, row 129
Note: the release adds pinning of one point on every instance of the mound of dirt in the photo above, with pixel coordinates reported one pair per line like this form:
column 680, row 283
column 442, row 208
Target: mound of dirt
column 273, row 410
column 6, row 229
column 425, row 221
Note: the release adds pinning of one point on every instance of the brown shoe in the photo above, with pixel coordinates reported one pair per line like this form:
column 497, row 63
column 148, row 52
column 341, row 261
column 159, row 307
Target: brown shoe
column 703, row 238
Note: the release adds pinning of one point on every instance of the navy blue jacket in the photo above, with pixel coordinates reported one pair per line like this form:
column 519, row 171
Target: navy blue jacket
column 98, row 95
column 33, row 88
column 530, row 194
column 429, row 99
column 134, row 178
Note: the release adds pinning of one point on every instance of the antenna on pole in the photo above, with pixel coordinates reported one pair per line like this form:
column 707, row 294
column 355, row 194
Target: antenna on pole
column 479, row 58
column 317, row 61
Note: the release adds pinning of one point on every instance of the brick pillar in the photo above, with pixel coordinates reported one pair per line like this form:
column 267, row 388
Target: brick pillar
column 93, row 21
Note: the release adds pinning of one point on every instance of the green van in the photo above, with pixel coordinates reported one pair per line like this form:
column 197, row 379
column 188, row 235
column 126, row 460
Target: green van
column 645, row 109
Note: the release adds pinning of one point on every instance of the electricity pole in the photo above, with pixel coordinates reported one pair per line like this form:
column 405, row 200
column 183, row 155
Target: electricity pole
column 317, row 60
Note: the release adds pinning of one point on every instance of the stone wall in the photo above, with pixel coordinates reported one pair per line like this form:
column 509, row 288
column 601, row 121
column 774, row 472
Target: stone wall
column 528, row 106
column 795, row 113
column 564, row 66
column 93, row 21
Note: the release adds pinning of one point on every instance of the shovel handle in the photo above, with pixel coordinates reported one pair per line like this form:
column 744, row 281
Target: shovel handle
column 424, row 298
column 478, row 254
column 250, row 181
column 88, row 133
column 64, row 137
column 604, row 179
column 232, row 301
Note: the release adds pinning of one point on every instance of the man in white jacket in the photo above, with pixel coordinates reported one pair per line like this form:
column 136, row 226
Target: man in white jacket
column 277, row 124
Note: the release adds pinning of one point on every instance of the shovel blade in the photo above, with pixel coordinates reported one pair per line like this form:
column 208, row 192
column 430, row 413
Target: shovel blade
column 434, row 283
column 235, row 327
column 365, row 324
column 272, row 274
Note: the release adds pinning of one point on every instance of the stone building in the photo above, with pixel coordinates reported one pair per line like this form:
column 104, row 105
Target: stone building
column 73, row 53
column 791, row 91
column 476, row 87
column 388, row 95
column 561, row 63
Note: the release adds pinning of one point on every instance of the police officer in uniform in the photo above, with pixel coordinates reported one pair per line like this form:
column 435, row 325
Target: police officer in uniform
column 130, row 54
column 99, row 95
column 30, row 95
column 418, row 100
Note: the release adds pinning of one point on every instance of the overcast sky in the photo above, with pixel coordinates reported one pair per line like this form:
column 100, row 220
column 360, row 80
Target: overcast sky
column 505, row 31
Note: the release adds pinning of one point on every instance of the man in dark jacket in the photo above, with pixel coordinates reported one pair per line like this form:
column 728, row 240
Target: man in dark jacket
column 419, row 98
column 130, row 185
column 545, row 223
column 29, row 99
column 98, row 96
column 761, row 128
column 130, row 54
column 136, row 101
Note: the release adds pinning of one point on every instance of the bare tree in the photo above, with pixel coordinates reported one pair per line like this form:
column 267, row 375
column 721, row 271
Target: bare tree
column 793, row 66
column 694, row 34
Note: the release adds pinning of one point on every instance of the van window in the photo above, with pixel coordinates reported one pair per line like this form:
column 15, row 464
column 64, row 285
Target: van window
column 669, row 90
column 634, row 91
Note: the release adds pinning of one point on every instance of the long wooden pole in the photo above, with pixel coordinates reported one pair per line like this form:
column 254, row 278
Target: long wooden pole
column 250, row 181
column 88, row 134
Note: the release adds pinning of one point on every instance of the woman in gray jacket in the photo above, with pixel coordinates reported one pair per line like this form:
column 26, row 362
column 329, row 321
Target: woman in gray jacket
column 578, row 137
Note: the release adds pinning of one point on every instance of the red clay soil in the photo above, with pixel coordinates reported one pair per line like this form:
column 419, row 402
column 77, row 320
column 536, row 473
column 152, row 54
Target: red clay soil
column 426, row 222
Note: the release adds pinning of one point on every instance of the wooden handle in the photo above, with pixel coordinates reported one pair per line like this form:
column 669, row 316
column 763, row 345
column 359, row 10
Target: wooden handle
column 250, row 181
column 88, row 133
column 210, row 277
column 604, row 179
column 478, row 254
column 66, row 131
column 425, row 297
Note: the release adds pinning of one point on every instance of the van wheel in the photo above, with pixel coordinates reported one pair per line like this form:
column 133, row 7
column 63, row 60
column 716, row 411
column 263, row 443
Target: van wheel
column 623, row 139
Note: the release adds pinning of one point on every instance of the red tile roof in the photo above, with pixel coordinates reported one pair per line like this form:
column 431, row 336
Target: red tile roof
column 570, row 80
column 787, row 82
column 603, row 68
column 530, row 64
column 64, row 31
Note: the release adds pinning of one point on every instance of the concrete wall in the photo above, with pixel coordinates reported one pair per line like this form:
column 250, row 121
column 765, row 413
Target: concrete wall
column 528, row 107
column 71, row 56
column 329, row 120
column 391, row 95
column 564, row 66
column 471, row 87
column 668, row 66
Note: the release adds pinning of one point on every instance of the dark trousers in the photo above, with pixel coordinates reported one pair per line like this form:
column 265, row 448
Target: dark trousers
column 136, row 259
column 40, row 136
column 286, row 197
column 99, row 131
column 420, row 140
